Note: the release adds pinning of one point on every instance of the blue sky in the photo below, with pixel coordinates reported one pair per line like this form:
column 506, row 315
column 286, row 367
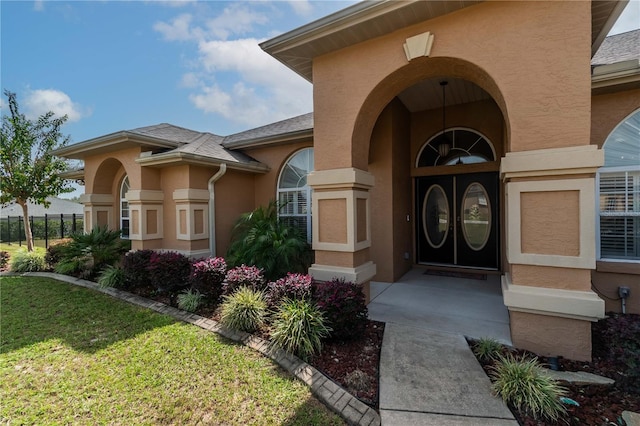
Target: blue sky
column 117, row 65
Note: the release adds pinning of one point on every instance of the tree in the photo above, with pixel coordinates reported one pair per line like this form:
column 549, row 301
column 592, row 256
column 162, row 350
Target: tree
column 30, row 172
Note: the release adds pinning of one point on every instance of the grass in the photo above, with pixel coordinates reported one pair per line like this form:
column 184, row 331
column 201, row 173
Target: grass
column 69, row 355
column 14, row 247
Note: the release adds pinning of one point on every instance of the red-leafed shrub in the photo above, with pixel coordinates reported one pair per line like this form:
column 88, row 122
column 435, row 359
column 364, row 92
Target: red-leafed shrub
column 207, row 276
column 169, row 271
column 344, row 306
column 4, row 260
column 293, row 286
column 243, row 276
column 135, row 266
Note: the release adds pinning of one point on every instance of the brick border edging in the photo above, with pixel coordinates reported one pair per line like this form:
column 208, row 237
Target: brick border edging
column 350, row 408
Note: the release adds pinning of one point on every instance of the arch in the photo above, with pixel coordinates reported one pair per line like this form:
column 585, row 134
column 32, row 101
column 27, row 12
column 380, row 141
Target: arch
column 475, row 145
column 618, row 225
column 405, row 77
column 106, row 174
column 293, row 192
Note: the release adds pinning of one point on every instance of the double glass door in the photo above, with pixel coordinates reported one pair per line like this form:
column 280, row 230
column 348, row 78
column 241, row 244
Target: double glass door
column 457, row 220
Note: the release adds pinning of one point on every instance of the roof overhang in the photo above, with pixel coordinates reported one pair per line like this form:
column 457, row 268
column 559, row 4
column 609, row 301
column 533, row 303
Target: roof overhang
column 613, row 77
column 73, row 174
column 112, row 142
column 176, row 158
column 369, row 19
column 281, row 139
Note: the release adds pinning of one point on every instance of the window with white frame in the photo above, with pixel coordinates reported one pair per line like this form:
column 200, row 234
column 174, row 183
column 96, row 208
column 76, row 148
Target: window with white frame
column 294, row 195
column 124, row 208
column 619, row 192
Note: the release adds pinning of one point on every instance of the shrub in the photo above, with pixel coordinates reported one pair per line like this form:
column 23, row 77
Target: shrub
column 293, row 286
column 523, row 384
column 260, row 238
column 111, row 276
column 88, row 254
column 27, row 261
column 244, row 310
column 4, row 260
column 135, row 266
column 207, row 276
column 299, row 327
column 243, row 276
column 487, row 348
column 189, row 300
column 343, row 304
column 54, row 252
column 169, row 271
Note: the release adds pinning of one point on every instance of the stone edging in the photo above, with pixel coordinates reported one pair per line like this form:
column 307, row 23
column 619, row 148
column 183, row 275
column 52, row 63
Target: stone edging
column 354, row 411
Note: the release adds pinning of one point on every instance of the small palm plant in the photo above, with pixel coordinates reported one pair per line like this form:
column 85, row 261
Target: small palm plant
column 259, row 238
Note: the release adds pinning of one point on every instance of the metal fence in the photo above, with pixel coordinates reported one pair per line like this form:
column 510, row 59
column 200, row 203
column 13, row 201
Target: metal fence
column 45, row 229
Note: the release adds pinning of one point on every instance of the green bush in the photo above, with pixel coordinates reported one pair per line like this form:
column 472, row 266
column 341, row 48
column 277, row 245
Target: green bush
column 244, row 310
column 523, row 384
column 25, row 261
column 88, row 254
column 299, row 327
column 259, row 238
column 487, row 348
column 54, row 252
column 111, row 276
column 189, row 300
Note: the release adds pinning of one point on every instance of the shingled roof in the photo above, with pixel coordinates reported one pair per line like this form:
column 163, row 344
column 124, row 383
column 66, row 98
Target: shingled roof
column 618, row 48
column 299, row 126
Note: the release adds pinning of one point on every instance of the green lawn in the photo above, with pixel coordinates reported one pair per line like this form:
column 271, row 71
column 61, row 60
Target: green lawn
column 14, row 247
column 69, row 355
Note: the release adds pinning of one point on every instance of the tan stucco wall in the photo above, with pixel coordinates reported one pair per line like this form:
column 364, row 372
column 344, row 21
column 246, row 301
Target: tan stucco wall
column 543, row 334
column 607, row 111
column 275, row 157
column 235, row 195
column 545, row 105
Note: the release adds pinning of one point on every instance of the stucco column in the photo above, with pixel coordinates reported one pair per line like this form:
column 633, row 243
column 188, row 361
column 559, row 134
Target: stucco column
column 98, row 211
column 550, row 214
column 342, row 225
column 146, row 221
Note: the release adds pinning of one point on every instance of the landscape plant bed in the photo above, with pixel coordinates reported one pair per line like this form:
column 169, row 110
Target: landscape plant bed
column 616, row 355
column 353, row 364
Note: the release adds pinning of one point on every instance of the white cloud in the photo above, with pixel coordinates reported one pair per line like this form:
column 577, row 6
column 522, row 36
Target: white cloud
column 38, row 5
column 190, row 80
column 235, row 19
column 301, row 7
column 38, row 102
column 629, row 19
column 178, row 30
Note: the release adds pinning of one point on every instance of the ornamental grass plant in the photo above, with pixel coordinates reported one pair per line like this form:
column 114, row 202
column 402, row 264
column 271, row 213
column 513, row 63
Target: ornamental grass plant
column 112, row 276
column 523, row 384
column 25, row 261
column 244, row 310
column 189, row 300
column 299, row 327
column 487, row 348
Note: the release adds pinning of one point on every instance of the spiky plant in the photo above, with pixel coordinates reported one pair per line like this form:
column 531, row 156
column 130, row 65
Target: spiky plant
column 27, row 261
column 244, row 310
column 111, row 276
column 487, row 348
column 189, row 300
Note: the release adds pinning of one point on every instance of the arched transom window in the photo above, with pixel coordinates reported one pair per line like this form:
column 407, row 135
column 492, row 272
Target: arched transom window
column 458, row 146
column 294, row 195
column 619, row 192
column 124, row 208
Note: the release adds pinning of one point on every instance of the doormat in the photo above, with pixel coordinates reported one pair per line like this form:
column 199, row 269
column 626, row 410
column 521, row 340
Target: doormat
column 456, row 274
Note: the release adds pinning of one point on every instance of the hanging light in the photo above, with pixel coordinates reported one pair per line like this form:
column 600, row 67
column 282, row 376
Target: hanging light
column 443, row 144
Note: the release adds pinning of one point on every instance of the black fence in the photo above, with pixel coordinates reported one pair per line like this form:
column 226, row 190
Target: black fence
column 45, row 229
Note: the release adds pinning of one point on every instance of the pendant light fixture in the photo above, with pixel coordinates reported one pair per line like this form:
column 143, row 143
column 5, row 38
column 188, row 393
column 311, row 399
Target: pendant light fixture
column 444, row 147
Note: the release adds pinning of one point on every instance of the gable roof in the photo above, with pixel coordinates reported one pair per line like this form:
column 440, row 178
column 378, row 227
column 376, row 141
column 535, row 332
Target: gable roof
column 369, row 19
column 296, row 128
column 618, row 48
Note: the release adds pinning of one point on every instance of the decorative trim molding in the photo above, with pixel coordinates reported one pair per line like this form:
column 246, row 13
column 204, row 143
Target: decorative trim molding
column 96, row 199
column 351, row 196
column 360, row 274
column 142, row 210
column 587, row 257
column 418, row 46
column 144, row 195
column 582, row 305
column 190, row 218
column 340, row 178
column 191, row 195
column 584, row 159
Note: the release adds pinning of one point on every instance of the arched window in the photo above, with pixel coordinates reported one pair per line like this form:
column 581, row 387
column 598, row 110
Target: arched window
column 294, row 195
column 124, row 208
column 619, row 192
column 462, row 146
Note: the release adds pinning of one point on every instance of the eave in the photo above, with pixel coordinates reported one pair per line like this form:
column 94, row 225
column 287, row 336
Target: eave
column 112, row 142
column 177, row 158
column 282, row 139
column 615, row 77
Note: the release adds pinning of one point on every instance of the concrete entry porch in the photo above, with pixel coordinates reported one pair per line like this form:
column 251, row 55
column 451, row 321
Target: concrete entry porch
column 470, row 307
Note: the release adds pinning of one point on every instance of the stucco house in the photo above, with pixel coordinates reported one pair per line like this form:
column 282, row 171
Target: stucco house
column 458, row 134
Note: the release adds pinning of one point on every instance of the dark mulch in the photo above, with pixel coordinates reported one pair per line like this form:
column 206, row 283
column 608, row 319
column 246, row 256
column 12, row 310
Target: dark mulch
column 616, row 354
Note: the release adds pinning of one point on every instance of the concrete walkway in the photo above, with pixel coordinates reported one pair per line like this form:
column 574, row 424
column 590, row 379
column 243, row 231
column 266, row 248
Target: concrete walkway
column 428, row 374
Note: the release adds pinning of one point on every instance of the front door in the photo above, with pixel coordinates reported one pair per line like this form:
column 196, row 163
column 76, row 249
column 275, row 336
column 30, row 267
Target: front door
column 457, row 220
